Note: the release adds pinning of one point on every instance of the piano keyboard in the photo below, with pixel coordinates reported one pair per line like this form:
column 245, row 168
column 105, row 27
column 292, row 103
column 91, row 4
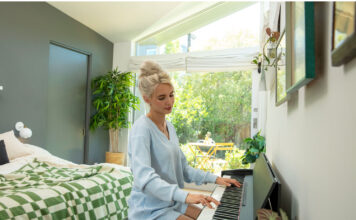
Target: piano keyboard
column 230, row 202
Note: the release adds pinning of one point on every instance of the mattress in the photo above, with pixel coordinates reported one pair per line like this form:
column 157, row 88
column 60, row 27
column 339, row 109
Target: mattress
column 42, row 186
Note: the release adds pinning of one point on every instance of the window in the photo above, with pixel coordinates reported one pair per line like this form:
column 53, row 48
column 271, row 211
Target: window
column 216, row 102
column 240, row 29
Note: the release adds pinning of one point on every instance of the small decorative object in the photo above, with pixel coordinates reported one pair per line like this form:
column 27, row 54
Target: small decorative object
column 24, row 132
column 254, row 146
column 113, row 99
column 267, row 214
column 300, row 50
column 271, row 43
column 344, row 32
column 265, row 58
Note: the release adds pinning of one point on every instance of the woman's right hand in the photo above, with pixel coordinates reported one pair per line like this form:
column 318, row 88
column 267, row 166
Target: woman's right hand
column 201, row 199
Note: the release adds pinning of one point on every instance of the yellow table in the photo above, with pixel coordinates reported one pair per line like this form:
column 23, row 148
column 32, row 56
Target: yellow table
column 208, row 154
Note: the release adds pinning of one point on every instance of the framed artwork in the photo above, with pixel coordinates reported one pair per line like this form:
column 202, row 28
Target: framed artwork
column 280, row 68
column 343, row 33
column 300, row 51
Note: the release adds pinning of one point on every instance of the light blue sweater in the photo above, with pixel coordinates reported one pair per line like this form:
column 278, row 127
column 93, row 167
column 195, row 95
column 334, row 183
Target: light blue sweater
column 159, row 168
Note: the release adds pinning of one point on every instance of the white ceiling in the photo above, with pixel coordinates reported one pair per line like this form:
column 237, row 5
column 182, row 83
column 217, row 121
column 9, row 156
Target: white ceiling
column 118, row 21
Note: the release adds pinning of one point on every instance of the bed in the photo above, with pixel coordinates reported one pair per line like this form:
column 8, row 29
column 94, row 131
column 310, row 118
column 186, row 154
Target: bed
column 39, row 185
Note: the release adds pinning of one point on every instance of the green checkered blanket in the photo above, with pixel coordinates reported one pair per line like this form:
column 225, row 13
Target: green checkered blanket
column 42, row 191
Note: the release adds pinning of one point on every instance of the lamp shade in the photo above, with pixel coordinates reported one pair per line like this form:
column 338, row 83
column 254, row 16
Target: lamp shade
column 19, row 125
column 25, row 133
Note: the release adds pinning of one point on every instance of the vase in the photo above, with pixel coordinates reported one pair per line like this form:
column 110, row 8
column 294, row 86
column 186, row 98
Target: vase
column 271, row 51
column 115, row 157
column 114, row 140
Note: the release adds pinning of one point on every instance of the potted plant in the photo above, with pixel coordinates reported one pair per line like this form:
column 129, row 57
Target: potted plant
column 254, row 146
column 112, row 99
column 267, row 214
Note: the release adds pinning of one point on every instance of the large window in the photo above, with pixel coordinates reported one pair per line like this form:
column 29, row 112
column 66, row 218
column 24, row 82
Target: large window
column 214, row 104
column 212, row 112
column 239, row 29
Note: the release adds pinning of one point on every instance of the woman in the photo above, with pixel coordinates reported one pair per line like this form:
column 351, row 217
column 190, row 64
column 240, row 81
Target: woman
column 156, row 160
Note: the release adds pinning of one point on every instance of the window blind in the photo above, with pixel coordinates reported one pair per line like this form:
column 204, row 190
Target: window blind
column 212, row 61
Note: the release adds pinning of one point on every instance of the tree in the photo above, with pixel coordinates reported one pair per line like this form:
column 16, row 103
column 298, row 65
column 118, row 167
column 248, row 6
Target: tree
column 218, row 102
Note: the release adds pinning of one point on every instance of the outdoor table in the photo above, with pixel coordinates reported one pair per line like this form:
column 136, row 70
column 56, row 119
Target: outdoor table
column 207, row 154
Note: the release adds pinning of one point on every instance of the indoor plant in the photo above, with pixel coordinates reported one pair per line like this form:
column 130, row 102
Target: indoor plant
column 254, row 146
column 112, row 99
column 267, row 214
column 271, row 44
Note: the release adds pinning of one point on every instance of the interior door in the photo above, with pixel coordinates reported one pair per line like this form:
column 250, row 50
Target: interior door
column 67, row 83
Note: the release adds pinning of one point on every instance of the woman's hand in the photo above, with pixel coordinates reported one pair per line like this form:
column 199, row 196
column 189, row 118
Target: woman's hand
column 227, row 182
column 202, row 199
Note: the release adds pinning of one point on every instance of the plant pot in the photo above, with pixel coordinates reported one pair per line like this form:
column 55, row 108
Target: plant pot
column 115, row 157
column 114, row 140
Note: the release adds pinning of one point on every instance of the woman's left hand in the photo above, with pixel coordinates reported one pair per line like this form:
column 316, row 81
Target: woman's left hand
column 227, row 182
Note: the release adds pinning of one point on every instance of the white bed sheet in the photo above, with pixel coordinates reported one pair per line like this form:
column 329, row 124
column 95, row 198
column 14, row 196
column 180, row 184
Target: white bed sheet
column 43, row 155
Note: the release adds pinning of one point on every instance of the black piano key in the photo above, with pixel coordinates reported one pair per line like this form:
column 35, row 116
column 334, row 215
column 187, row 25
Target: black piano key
column 230, row 202
column 219, row 218
column 227, row 210
column 226, row 215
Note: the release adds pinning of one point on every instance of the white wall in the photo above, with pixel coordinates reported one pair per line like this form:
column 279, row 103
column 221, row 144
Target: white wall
column 121, row 57
column 311, row 138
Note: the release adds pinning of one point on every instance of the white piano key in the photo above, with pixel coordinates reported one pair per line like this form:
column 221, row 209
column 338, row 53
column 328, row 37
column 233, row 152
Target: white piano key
column 208, row 213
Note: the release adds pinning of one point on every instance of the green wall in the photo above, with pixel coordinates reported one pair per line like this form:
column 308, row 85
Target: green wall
column 25, row 32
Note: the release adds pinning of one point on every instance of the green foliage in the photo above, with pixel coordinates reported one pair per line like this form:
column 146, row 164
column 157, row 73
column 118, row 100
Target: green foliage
column 254, row 146
column 234, row 159
column 112, row 100
column 172, row 47
column 266, row 214
column 218, row 102
column 188, row 154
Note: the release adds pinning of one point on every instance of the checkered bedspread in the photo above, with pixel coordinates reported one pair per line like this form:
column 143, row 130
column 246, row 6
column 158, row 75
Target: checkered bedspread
column 41, row 191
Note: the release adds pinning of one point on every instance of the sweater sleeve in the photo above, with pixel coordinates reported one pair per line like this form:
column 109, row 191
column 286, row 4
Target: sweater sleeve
column 195, row 175
column 145, row 177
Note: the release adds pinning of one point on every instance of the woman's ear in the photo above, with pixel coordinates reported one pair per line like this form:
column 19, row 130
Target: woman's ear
column 146, row 99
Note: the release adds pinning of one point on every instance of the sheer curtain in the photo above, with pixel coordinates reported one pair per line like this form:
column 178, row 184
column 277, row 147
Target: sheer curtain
column 212, row 61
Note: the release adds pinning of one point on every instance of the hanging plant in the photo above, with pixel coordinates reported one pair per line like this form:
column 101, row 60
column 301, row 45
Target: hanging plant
column 271, row 42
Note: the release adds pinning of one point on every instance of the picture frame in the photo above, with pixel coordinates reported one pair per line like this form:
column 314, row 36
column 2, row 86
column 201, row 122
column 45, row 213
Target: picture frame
column 300, row 51
column 281, row 70
column 343, row 43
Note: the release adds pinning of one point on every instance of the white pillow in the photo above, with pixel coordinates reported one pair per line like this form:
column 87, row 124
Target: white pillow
column 14, row 147
column 37, row 150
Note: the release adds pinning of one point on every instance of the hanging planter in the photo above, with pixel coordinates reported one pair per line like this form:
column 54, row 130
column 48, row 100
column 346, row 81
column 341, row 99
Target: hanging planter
column 269, row 51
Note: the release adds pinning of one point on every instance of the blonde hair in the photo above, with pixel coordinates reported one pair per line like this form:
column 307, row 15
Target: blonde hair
column 151, row 76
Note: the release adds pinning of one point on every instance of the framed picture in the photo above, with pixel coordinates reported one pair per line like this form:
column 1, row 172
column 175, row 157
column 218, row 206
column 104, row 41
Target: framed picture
column 300, row 56
column 343, row 33
column 280, row 68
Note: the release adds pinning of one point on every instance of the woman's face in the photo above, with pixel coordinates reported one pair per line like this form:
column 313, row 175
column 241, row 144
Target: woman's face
column 162, row 99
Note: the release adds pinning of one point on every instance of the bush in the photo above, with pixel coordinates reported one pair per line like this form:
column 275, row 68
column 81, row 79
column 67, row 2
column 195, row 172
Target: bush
column 234, row 159
column 188, row 154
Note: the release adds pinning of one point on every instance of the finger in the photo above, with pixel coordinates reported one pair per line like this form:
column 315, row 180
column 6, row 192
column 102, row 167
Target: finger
column 237, row 183
column 211, row 199
column 208, row 204
column 233, row 181
column 227, row 184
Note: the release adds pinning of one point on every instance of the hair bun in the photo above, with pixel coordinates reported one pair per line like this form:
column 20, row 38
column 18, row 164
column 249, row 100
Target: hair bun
column 149, row 68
